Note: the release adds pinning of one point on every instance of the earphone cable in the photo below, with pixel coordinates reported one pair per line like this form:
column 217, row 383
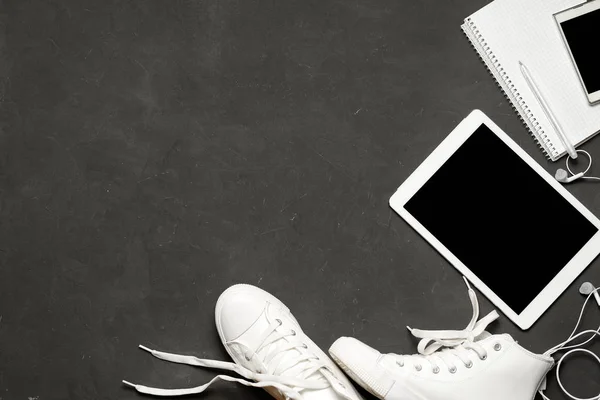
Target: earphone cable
column 575, row 348
column 589, row 156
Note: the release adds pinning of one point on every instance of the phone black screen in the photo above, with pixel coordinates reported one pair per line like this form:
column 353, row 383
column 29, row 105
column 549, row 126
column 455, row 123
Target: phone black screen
column 582, row 34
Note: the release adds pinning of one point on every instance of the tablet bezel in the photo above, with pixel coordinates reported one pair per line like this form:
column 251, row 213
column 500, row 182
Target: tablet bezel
column 567, row 15
column 429, row 167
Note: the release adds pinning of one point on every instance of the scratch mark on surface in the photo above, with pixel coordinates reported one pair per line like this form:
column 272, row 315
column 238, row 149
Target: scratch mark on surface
column 292, row 202
column 323, row 266
column 449, row 112
column 140, row 64
column 153, row 176
column 357, row 111
column 272, row 230
column 333, row 165
column 259, row 280
column 54, row 43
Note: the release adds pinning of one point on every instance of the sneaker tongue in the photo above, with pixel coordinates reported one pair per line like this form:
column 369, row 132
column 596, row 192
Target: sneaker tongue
column 297, row 371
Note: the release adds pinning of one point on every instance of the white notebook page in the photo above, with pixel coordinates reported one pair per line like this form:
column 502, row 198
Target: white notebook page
column 525, row 30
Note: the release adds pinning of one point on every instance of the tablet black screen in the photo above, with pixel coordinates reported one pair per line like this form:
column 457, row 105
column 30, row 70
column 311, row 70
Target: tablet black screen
column 504, row 222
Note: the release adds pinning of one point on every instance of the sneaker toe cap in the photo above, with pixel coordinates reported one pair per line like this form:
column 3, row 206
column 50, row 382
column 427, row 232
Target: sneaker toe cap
column 362, row 364
column 238, row 308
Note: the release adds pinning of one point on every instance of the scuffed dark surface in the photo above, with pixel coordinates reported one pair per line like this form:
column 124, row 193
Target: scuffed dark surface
column 152, row 153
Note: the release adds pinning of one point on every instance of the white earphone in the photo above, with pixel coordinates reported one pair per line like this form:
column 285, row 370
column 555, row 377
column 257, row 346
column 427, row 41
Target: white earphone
column 563, row 176
column 567, row 177
column 587, row 288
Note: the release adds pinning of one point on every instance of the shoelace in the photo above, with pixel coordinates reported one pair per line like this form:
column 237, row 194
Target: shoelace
column 445, row 346
column 311, row 374
column 572, row 349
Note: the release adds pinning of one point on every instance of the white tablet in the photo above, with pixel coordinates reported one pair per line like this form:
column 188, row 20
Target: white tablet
column 506, row 224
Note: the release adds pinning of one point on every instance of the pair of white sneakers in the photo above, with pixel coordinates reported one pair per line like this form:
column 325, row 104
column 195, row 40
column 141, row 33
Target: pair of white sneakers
column 271, row 351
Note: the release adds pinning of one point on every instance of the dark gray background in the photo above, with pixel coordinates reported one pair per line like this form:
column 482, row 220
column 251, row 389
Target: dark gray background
column 152, row 153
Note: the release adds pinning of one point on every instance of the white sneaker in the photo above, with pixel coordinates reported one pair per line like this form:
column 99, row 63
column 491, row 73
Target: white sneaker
column 270, row 350
column 451, row 365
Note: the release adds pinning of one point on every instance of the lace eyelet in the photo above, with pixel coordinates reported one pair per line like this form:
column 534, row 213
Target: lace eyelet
column 279, row 321
column 418, row 367
column 452, row 370
column 436, row 370
column 293, row 333
column 469, row 364
column 483, row 358
column 497, row 347
column 400, row 364
column 248, row 358
column 305, row 346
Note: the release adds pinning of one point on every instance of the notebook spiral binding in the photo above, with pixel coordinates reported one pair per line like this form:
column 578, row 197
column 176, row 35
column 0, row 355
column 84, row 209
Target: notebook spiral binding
column 513, row 95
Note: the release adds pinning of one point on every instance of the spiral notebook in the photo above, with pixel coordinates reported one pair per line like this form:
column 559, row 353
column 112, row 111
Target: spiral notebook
column 508, row 31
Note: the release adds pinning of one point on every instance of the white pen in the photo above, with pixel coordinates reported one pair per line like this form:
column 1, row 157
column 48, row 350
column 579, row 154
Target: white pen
column 555, row 124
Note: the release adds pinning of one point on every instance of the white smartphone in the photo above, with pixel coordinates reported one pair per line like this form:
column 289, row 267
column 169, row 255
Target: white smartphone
column 580, row 28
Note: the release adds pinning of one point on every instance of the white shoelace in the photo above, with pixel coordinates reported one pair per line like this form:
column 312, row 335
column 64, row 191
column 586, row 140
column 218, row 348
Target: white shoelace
column 446, row 346
column 281, row 352
column 572, row 349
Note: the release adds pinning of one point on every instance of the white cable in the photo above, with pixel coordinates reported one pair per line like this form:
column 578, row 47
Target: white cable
column 585, row 351
column 589, row 156
column 575, row 348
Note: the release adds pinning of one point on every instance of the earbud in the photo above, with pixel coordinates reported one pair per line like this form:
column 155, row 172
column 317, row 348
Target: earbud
column 588, row 288
column 563, row 176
